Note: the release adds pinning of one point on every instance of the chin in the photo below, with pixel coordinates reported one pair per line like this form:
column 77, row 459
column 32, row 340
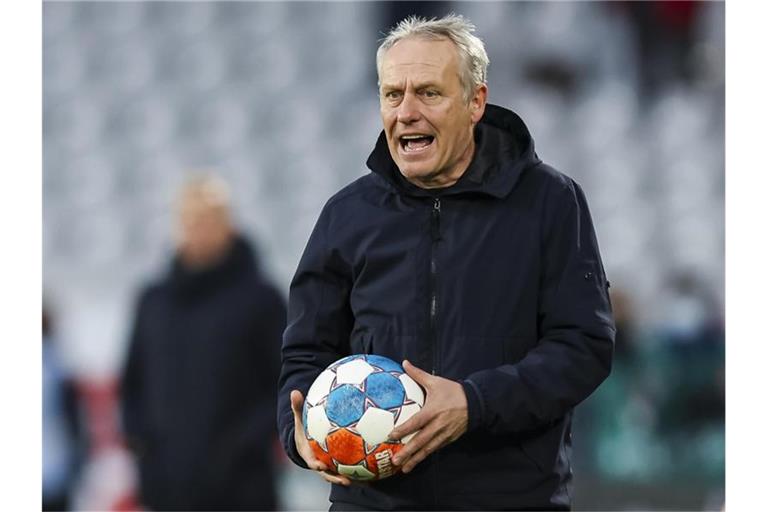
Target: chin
column 419, row 171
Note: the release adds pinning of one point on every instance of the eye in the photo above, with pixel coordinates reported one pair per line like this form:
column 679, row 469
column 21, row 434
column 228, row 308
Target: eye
column 431, row 94
column 393, row 95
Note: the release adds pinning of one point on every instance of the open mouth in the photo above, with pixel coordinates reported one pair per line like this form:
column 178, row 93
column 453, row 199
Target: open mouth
column 416, row 142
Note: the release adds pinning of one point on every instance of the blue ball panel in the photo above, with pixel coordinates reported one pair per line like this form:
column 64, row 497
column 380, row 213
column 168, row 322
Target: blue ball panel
column 385, row 390
column 384, row 363
column 345, row 405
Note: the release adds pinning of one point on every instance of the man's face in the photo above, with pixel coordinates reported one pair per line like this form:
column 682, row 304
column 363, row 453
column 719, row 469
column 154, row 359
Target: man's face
column 204, row 232
column 427, row 122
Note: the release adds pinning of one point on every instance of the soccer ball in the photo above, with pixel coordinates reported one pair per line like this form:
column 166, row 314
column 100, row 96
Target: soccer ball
column 350, row 410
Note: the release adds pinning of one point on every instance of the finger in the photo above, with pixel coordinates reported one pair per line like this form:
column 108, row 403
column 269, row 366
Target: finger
column 417, row 374
column 305, row 451
column 433, row 445
column 334, row 478
column 297, row 402
column 413, row 446
column 412, row 424
column 317, row 465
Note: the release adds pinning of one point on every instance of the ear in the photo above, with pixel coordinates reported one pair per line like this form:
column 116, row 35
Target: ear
column 477, row 103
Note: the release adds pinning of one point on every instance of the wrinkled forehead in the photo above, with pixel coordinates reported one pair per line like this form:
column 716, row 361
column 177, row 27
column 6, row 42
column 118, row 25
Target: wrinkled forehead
column 429, row 57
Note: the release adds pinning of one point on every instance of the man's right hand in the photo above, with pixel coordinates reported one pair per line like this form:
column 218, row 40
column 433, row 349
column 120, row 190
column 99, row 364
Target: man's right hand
column 302, row 444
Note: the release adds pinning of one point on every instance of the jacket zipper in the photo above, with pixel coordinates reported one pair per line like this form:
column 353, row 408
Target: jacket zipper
column 435, row 237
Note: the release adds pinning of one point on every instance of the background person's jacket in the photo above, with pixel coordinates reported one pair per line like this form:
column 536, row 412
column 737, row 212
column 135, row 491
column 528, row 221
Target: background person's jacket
column 508, row 255
column 198, row 389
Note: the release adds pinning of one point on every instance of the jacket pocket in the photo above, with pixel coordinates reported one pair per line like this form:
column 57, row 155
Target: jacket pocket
column 500, row 465
column 544, row 448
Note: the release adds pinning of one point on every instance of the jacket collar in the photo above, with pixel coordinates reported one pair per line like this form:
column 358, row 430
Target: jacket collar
column 504, row 148
column 238, row 262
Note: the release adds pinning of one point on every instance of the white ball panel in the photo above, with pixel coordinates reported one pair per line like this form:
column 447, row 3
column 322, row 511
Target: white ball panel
column 405, row 413
column 318, row 424
column 412, row 389
column 321, row 387
column 353, row 372
column 375, row 425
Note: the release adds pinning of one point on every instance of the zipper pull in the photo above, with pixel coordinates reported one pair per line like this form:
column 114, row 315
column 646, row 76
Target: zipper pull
column 436, row 219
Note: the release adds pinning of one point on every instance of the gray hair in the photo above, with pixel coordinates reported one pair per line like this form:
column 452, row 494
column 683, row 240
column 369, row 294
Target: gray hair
column 205, row 186
column 473, row 60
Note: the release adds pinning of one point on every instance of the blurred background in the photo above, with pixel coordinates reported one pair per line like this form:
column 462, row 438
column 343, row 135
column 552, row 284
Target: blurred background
column 279, row 99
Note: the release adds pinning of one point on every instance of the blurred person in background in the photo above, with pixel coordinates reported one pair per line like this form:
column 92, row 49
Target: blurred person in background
column 198, row 388
column 692, row 335
column 63, row 429
column 664, row 33
column 464, row 254
column 626, row 325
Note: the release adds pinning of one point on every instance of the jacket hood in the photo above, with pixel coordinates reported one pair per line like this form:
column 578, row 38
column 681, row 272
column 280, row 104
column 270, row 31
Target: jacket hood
column 504, row 149
column 238, row 262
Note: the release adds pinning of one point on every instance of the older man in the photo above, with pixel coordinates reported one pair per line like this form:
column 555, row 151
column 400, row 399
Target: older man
column 465, row 255
column 198, row 389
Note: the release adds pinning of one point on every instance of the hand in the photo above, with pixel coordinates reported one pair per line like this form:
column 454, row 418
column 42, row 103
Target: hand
column 302, row 444
column 442, row 420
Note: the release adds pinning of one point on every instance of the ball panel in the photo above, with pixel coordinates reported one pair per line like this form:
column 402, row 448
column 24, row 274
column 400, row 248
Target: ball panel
column 353, row 372
column 345, row 405
column 321, row 454
column 375, row 425
column 384, row 363
column 385, row 390
column 380, row 461
column 318, row 424
column 320, row 387
column 356, row 472
column 343, row 360
column 345, row 446
column 405, row 413
column 412, row 389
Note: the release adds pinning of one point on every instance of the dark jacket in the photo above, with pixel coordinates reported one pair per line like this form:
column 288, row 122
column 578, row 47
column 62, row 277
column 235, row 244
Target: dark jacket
column 198, row 389
column 495, row 282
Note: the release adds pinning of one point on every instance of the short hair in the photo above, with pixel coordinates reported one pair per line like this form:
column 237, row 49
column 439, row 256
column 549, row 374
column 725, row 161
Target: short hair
column 473, row 60
column 207, row 187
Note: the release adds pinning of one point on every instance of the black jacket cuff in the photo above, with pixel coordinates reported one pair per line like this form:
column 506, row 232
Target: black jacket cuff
column 475, row 408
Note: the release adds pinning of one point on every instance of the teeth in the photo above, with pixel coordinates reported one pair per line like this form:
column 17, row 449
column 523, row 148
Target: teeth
column 410, row 137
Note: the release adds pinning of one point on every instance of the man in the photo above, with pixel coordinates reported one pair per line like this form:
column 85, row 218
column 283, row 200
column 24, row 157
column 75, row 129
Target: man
column 199, row 384
column 467, row 257
column 64, row 432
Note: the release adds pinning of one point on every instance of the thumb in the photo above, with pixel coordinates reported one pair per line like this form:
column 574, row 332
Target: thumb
column 297, row 402
column 417, row 374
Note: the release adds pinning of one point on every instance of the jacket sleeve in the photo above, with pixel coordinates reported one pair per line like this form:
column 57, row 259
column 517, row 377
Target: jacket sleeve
column 130, row 386
column 269, row 325
column 319, row 325
column 575, row 330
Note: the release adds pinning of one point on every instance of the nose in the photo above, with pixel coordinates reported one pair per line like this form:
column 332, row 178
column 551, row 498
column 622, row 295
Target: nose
column 408, row 110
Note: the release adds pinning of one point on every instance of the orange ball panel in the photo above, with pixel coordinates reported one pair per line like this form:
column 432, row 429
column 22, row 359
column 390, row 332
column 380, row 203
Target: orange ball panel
column 345, row 447
column 321, row 454
column 379, row 461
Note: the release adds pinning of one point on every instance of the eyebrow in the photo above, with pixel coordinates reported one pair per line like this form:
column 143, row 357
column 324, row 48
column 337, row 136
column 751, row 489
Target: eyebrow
column 418, row 87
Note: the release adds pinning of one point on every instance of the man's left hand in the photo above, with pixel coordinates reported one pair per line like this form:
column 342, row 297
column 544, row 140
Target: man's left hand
column 442, row 420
